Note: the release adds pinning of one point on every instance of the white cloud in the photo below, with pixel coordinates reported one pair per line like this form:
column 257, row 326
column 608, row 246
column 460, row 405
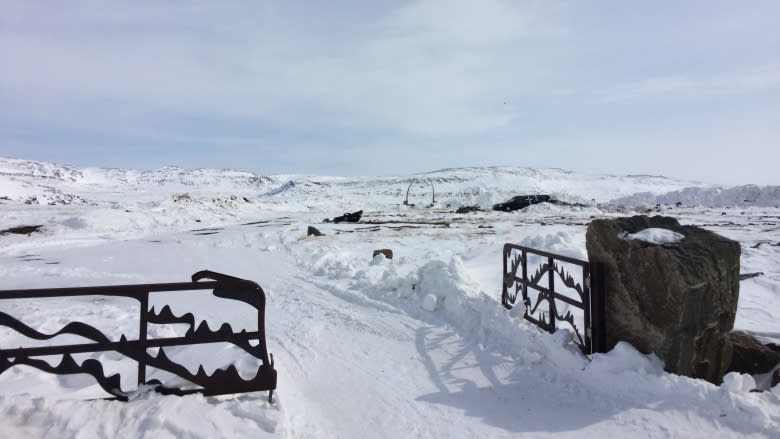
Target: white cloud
column 428, row 68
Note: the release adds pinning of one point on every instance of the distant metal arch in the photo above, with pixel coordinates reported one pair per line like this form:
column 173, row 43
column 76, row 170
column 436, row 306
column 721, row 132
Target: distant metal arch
column 433, row 191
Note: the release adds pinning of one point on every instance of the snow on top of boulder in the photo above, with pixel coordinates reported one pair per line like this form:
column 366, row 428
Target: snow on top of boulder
column 655, row 235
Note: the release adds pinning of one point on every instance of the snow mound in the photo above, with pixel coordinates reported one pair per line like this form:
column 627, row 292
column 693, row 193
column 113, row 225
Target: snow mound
column 561, row 242
column 430, row 302
column 738, row 382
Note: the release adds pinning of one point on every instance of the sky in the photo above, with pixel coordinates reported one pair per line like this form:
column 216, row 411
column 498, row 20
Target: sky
column 685, row 89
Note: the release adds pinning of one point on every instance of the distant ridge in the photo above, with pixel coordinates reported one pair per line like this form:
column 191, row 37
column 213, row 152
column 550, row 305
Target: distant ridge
column 50, row 183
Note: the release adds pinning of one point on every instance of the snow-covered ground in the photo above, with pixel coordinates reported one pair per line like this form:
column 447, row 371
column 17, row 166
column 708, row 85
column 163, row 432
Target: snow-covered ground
column 416, row 346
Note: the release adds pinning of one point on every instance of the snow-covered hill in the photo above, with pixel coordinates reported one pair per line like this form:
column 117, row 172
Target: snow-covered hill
column 48, row 183
column 52, row 184
column 167, row 176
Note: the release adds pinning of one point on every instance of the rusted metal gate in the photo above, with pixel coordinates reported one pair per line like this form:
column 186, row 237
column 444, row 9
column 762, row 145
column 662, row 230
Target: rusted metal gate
column 220, row 382
column 540, row 287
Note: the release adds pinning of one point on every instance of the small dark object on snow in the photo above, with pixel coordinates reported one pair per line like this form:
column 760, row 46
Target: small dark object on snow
column 750, row 275
column 21, row 230
column 759, row 244
column 349, row 217
column 313, row 231
column 468, row 209
column 384, row 251
column 521, row 201
column 564, row 203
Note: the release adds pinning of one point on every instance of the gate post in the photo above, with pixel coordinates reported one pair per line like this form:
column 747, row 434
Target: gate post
column 551, row 294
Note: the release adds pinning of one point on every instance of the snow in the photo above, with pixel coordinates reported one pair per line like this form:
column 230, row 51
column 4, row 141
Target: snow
column 655, row 236
column 430, row 302
column 738, row 382
column 414, row 346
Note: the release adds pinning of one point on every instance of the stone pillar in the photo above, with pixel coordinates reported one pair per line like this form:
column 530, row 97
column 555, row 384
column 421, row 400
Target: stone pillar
column 677, row 300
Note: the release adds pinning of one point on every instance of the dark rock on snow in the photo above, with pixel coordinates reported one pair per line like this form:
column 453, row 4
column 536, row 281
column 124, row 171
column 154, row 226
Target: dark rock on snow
column 678, row 301
column 467, row 209
column 520, row 202
column 21, row 230
column 384, row 251
column 349, row 217
column 313, row 231
column 746, row 276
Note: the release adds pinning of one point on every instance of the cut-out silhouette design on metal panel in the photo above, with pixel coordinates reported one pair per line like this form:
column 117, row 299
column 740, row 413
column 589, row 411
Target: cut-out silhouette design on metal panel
column 221, row 381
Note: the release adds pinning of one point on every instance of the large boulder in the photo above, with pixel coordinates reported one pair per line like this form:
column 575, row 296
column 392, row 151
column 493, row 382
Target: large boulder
column 674, row 297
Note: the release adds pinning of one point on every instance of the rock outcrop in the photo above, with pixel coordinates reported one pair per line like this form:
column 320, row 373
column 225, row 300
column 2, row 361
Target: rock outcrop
column 754, row 358
column 677, row 300
column 521, row 202
column 349, row 217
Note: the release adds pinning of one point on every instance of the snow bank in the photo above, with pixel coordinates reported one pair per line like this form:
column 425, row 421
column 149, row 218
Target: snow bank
column 150, row 416
column 747, row 195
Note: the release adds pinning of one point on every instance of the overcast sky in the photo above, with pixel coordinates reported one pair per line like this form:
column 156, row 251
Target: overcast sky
column 687, row 89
